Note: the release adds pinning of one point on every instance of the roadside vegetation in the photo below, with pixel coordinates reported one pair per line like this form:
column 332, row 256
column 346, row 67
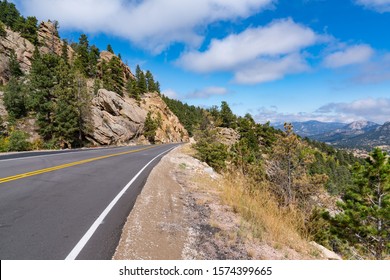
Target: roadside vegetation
column 58, row 91
column 293, row 190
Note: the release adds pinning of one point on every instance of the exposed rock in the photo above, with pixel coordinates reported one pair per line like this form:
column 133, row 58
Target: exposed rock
column 3, row 111
column 171, row 130
column 330, row 255
column 227, row 136
column 107, row 56
column 50, row 41
column 120, row 120
column 23, row 49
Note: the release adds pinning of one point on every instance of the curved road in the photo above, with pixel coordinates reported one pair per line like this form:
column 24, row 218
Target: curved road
column 70, row 205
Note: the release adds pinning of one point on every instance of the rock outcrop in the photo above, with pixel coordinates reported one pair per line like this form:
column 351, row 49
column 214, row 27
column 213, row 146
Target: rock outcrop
column 24, row 49
column 49, row 40
column 120, row 120
column 227, row 136
column 107, row 56
column 3, row 111
column 170, row 130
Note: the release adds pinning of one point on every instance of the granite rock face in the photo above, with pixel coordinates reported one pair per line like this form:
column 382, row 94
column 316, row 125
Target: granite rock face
column 120, row 120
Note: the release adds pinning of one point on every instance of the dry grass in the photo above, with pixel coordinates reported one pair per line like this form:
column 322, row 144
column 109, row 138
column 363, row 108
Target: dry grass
column 268, row 222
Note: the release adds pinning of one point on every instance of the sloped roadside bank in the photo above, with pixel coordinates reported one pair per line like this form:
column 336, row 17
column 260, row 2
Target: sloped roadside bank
column 180, row 215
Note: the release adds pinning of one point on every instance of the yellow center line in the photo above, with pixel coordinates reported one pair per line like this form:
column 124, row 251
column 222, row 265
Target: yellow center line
column 58, row 167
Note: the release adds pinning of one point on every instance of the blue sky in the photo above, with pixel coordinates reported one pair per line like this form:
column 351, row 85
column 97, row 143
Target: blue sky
column 285, row 60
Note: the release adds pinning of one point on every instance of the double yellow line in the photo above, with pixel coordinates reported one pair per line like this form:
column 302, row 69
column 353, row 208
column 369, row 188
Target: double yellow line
column 58, row 167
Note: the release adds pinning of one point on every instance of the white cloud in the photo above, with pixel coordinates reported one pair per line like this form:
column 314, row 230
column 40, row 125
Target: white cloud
column 153, row 24
column 170, row 93
column 265, row 70
column 378, row 5
column 377, row 110
column 207, row 92
column 257, row 54
column 278, row 38
column 352, row 55
column 374, row 72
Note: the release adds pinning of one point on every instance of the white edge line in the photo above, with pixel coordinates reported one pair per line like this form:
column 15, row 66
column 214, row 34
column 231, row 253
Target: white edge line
column 83, row 241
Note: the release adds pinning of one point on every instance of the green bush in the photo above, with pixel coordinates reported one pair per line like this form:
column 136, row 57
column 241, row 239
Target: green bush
column 214, row 154
column 3, row 32
column 18, row 141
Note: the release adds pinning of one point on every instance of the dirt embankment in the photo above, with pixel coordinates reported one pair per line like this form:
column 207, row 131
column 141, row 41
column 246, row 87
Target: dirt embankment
column 179, row 215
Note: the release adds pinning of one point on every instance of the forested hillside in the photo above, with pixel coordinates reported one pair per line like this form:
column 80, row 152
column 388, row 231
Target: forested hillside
column 325, row 194
column 49, row 89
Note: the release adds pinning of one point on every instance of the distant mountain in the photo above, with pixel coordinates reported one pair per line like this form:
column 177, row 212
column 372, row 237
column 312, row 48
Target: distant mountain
column 356, row 135
column 348, row 131
column 378, row 136
column 310, row 128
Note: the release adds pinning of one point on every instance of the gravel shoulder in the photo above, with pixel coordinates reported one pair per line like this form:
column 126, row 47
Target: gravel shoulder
column 179, row 215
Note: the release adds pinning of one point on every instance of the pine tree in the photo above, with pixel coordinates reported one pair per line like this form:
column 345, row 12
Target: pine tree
column 64, row 51
column 150, row 128
column 82, row 55
column 94, row 55
column 150, row 84
column 3, row 32
column 14, row 66
column 109, row 49
column 365, row 221
column 227, row 116
column 15, row 99
column 141, row 81
column 29, row 30
column 43, row 78
column 72, row 105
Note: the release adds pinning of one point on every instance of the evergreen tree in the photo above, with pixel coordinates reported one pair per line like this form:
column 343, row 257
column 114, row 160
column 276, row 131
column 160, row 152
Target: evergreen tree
column 9, row 15
column 109, row 49
column 150, row 84
column 14, row 66
column 150, row 128
column 365, row 221
column 43, row 78
column 15, row 99
column 29, row 30
column 82, row 55
column 158, row 87
column 141, row 81
column 227, row 116
column 71, row 107
column 3, row 32
column 131, row 88
column 94, row 55
column 64, row 51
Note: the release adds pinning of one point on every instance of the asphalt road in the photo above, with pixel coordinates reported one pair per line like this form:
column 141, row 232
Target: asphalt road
column 70, row 205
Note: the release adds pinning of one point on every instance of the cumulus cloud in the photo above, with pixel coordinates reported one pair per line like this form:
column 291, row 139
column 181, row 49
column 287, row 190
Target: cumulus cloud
column 256, row 54
column 170, row 93
column 351, row 55
column 272, row 115
column 278, row 38
column 265, row 70
column 207, row 92
column 374, row 72
column 378, row 5
column 377, row 110
column 153, row 24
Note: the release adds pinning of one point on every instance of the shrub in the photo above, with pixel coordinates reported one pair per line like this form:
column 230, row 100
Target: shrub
column 18, row 141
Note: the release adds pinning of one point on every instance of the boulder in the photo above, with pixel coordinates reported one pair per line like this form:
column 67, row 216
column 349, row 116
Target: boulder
column 120, row 120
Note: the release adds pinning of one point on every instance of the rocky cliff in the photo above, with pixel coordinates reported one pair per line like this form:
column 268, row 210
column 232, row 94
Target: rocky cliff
column 120, row 120
column 114, row 119
column 49, row 42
